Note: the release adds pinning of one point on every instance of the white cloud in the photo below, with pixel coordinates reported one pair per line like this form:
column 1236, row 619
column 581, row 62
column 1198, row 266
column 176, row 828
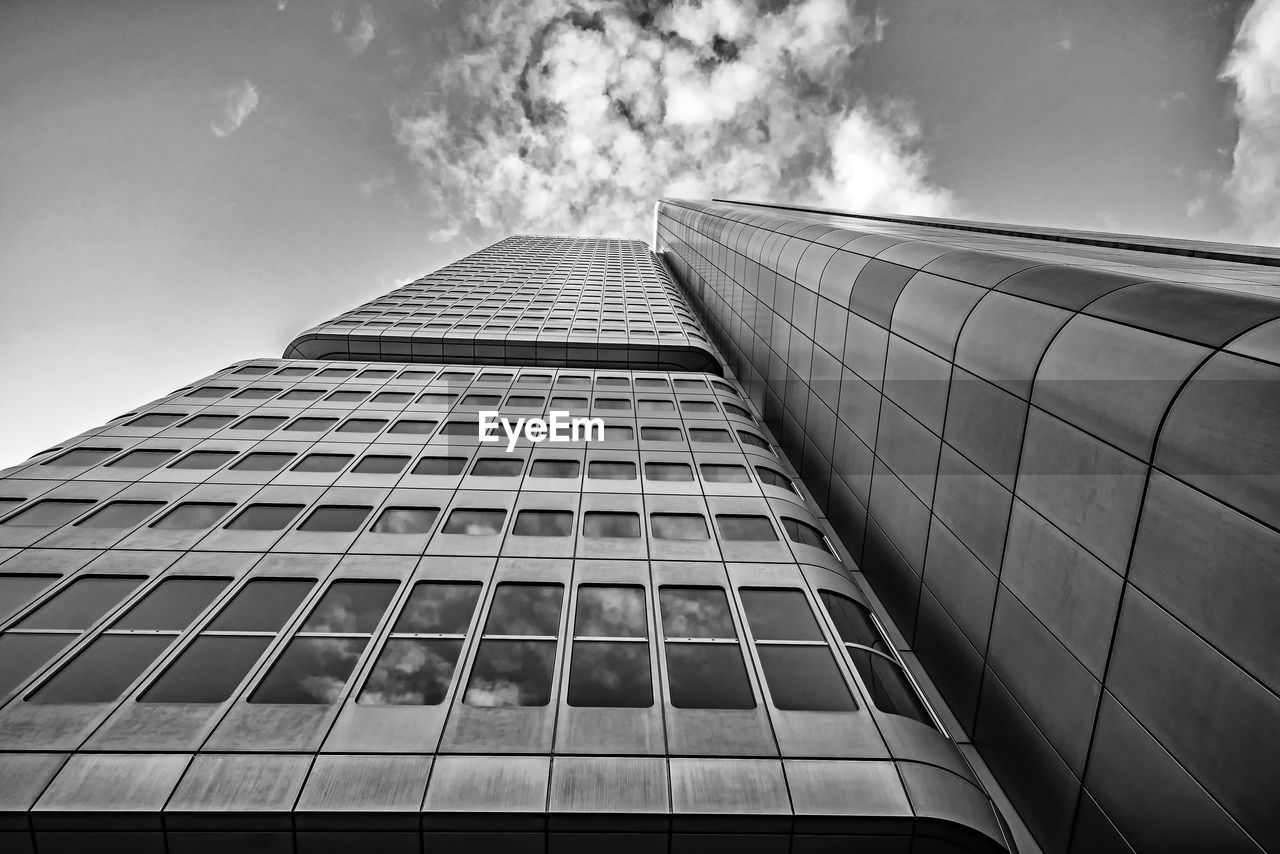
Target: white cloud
column 575, row 118
column 1166, row 104
column 1196, row 206
column 362, row 31
column 1254, row 68
column 236, row 104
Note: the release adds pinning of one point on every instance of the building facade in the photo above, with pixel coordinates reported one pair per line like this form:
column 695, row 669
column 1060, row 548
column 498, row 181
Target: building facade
column 1056, row 458
column 300, row 606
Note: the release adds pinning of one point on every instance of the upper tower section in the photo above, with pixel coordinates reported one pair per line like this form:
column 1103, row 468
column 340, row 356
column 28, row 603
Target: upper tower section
column 548, row 301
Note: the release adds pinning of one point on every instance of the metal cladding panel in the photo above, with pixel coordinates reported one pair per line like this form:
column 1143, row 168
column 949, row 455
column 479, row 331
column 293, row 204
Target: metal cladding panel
column 1046, row 444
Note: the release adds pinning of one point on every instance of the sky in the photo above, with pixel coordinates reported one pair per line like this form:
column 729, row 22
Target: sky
column 185, row 184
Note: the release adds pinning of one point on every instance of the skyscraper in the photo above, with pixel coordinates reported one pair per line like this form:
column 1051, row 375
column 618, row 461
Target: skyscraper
column 300, row 605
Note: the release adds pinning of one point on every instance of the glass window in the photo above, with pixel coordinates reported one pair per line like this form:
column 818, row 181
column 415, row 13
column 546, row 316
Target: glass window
column 81, row 603
column 103, row 670
column 460, row 428
column 481, row 400
column 610, row 663
column 661, row 434
column 475, row 523
column 293, row 372
column 316, row 665
column 436, row 398
column 49, row 513
column 17, row 590
column 650, row 382
column 121, row 514
column 265, row 517
column 56, row 623
column 718, row 473
column 262, row 461
column 335, row 519
column 143, row 458
column 698, row 406
column 302, row 394
column 156, row 419
column 804, row 677
column 210, row 391
column 440, row 466
column 381, row 464
column 415, row 426
column 361, row 425
column 544, row 523
column 311, row 425
column 597, row 524
column 515, row 661
column 883, row 677
column 392, row 397
column 526, row 401
column 323, row 462
column 667, row 471
column 618, row 433
column 705, row 669
column 82, row 457
column 416, row 665
column 405, row 520
column 613, row 403
column 709, row 436
column 349, row 396
column 679, row 526
column 774, row 478
column 192, row 516
column 256, row 393
column 611, row 470
column 555, row 468
column 498, row 467
column 254, row 370
column 750, row 528
column 263, row 605
column 749, row 438
column 203, row 460
column 207, row 422
column 805, row 534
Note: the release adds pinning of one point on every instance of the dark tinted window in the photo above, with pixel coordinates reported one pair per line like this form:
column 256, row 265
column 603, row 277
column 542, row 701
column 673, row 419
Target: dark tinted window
column 263, row 605
column 323, row 462
column 18, row 590
column 706, row 436
column 311, row 671
column 804, row 533
column 259, row 422
column 555, row 468
column 439, row 608
column 667, row 471
column 350, row 607
column 544, row 523
column 752, row 528
column 121, row 514
column 208, row 670
column 517, row 672
column 82, row 457
column 311, row 425
column 192, row 516
column 265, row 517
column 361, row 425
column 596, row 524
column 203, row 460
column 49, row 513
column 679, row 526
column 417, row 426
column 101, row 672
column 717, row 473
column 172, row 605
column 774, row 478
column 611, row 470
column 440, row 466
column 262, row 461
column 207, row 422
column 660, row 434
column 498, row 467
column 156, row 419
column 381, row 464
column 81, row 603
column 302, row 394
column 144, row 458
column 335, row 519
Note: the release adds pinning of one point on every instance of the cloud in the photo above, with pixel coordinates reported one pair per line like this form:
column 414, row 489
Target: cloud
column 237, row 104
column 1254, row 67
column 361, row 31
column 1166, row 104
column 1196, row 206
column 574, row 118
